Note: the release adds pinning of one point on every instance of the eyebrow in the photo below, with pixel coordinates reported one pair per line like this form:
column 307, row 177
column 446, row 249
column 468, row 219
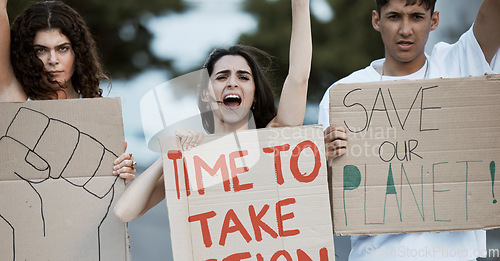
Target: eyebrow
column 238, row 72
column 43, row 46
column 399, row 13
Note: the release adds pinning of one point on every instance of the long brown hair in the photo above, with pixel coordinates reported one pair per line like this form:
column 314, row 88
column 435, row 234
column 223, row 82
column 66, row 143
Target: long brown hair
column 264, row 109
column 29, row 69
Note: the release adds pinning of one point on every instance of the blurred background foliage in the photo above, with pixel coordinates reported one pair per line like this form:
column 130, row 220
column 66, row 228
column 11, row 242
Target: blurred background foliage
column 343, row 42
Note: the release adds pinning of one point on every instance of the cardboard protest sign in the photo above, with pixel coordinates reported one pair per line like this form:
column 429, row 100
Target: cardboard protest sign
column 256, row 194
column 56, row 182
column 421, row 155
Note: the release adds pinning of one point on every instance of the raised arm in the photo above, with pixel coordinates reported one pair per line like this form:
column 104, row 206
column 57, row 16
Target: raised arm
column 486, row 28
column 143, row 194
column 293, row 99
column 10, row 88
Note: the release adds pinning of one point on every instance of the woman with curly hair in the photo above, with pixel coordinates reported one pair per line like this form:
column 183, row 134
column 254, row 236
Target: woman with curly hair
column 53, row 53
column 52, row 56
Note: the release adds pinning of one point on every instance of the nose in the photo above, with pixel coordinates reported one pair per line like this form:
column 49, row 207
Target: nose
column 53, row 59
column 232, row 81
column 406, row 28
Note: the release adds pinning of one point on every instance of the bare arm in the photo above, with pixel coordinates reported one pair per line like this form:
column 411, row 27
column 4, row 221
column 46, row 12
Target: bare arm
column 293, row 99
column 143, row 194
column 10, row 88
column 486, row 28
column 5, row 66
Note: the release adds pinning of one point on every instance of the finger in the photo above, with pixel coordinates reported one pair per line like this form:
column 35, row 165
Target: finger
column 125, row 150
column 339, row 144
column 128, row 177
column 124, row 163
column 189, row 141
column 327, row 130
column 331, row 159
column 120, row 158
column 339, row 128
column 333, row 128
column 124, row 156
column 336, row 135
column 331, row 155
column 335, row 143
column 182, row 133
column 124, row 170
column 199, row 138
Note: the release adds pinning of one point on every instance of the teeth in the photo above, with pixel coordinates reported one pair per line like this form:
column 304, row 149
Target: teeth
column 232, row 96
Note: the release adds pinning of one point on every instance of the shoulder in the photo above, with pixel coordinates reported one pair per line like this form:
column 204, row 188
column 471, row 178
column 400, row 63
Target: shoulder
column 460, row 59
column 467, row 39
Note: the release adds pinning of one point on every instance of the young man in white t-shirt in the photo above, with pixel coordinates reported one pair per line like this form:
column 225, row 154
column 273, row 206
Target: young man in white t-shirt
column 404, row 26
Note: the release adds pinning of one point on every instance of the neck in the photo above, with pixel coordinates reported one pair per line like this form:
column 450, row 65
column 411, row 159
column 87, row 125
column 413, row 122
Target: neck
column 393, row 67
column 221, row 126
column 67, row 93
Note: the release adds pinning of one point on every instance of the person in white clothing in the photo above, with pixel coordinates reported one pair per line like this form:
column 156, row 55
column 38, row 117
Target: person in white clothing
column 404, row 26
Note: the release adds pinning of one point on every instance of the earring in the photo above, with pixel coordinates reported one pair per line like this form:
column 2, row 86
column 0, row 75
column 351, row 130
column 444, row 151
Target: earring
column 253, row 106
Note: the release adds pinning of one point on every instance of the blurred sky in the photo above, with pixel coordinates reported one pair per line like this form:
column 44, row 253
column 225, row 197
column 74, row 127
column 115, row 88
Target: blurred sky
column 186, row 38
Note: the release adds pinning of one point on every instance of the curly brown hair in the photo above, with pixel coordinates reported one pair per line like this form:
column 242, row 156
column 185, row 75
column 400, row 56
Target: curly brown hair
column 29, row 69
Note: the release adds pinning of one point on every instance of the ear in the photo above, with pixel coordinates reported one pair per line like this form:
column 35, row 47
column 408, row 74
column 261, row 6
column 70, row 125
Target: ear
column 434, row 20
column 376, row 20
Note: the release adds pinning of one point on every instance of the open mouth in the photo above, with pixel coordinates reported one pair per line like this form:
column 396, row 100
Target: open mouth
column 232, row 100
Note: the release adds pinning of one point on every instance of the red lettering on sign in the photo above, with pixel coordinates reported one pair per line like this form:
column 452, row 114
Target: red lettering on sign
column 238, row 226
column 235, row 171
column 174, row 155
column 302, row 256
column 219, row 165
column 294, row 162
column 258, row 224
column 281, row 253
column 277, row 160
column 238, row 256
column 205, row 231
column 280, row 218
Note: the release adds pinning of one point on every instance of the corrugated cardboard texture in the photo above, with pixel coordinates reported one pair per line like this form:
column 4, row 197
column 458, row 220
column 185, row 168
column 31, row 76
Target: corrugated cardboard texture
column 56, row 183
column 421, row 155
column 238, row 205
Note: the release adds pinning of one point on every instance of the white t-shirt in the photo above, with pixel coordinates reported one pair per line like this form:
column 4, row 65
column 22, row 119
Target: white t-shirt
column 462, row 59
